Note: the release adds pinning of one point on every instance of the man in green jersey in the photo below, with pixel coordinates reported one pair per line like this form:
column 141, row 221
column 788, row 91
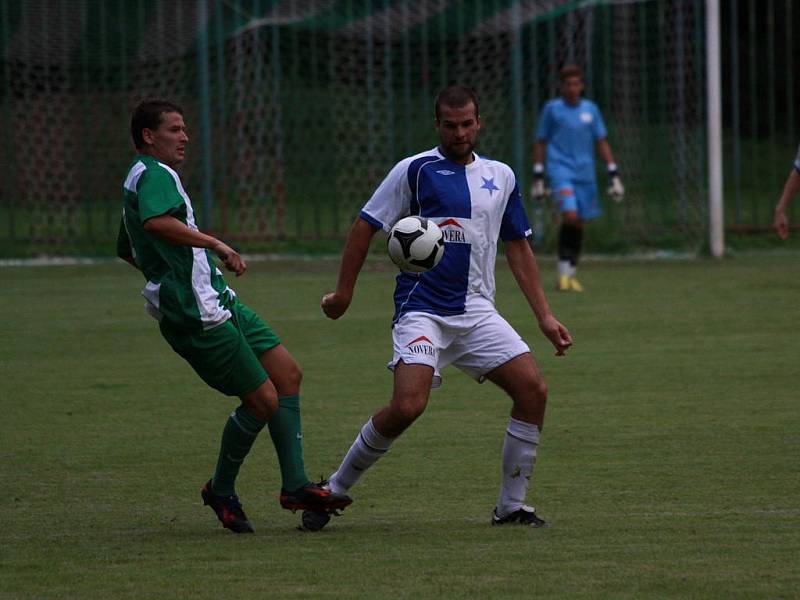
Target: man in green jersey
column 226, row 343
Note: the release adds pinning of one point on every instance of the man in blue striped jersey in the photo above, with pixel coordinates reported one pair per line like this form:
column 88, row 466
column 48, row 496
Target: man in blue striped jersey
column 226, row 342
column 447, row 315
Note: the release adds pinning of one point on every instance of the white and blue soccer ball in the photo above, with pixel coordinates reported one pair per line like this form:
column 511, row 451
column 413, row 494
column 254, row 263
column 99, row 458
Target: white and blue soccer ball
column 416, row 244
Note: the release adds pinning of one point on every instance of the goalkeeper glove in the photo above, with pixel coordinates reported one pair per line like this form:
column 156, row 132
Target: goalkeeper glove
column 538, row 189
column 615, row 188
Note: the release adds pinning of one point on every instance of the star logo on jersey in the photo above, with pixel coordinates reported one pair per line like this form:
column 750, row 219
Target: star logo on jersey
column 488, row 184
column 453, row 231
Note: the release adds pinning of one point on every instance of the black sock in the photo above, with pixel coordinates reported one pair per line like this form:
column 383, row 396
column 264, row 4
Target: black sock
column 578, row 242
column 570, row 240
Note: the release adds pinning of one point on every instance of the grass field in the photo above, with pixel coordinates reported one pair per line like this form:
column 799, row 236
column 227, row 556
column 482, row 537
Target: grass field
column 668, row 466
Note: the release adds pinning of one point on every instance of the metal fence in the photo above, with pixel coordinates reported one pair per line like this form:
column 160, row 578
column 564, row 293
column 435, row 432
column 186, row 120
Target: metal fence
column 297, row 108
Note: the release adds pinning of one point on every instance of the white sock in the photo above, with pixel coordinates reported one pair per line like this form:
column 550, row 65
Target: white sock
column 367, row 448
column 564, row 267
column 519, row 458
column 572, row 270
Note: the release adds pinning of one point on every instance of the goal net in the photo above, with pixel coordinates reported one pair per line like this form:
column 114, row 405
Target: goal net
column 297, row 109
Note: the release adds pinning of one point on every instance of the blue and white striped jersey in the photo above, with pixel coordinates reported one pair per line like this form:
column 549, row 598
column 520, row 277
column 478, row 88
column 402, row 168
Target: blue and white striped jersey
column 474, row 205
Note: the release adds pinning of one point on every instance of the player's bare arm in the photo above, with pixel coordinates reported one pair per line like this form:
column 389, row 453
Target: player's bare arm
column 526, row 273
column 170, row 229
column 604, row 150
column 335, row 304
column 539, row 149
column 790, row 189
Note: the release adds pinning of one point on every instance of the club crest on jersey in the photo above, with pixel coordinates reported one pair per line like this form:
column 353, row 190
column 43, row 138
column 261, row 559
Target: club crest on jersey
column 421, row 345
column 453, row 231
column 586, row 117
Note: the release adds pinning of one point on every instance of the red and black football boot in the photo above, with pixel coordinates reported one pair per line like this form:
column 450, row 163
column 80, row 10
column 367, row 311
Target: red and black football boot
column 316, row 497
column 228, row 509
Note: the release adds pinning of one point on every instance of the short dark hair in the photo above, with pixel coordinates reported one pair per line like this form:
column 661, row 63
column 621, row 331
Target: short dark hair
column 147, row 115
column 455, row 96
column 568, row 71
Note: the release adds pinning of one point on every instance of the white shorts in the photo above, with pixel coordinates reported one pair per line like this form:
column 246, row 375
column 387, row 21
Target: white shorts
column 475, row 343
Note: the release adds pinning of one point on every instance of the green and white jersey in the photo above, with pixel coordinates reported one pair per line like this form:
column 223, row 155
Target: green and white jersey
column 185, row 289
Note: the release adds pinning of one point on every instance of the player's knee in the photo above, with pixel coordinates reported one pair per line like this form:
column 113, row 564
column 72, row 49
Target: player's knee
column 263, row 410
column 288, row 380
column 262, row 402
column 530, row 401
column 536, row 391
column 292, row 378
column 539, row 390
column 408, row 409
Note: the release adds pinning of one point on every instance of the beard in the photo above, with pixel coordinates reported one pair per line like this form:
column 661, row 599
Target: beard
column 458, row 152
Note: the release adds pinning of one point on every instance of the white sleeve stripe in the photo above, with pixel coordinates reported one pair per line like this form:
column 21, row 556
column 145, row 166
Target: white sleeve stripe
column 419, row 171
column 132, row 180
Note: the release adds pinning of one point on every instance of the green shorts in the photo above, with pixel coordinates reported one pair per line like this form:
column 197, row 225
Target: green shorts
column 227, row 356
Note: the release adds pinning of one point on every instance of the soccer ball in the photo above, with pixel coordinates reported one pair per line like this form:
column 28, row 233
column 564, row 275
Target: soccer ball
column 416, row 244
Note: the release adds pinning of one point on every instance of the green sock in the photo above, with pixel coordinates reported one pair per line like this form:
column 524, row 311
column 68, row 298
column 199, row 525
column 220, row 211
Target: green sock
column 238, row 436
column 287, row 436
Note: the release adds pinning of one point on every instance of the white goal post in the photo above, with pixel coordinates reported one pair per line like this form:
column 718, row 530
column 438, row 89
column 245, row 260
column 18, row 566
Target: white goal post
column 715, row 212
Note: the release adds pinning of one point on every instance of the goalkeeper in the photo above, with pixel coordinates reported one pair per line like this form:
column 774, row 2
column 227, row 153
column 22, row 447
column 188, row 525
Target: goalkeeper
column 568, row 130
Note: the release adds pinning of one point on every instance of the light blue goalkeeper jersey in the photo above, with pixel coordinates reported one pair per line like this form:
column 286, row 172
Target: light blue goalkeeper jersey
column 570, row 133
column 474, row 205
